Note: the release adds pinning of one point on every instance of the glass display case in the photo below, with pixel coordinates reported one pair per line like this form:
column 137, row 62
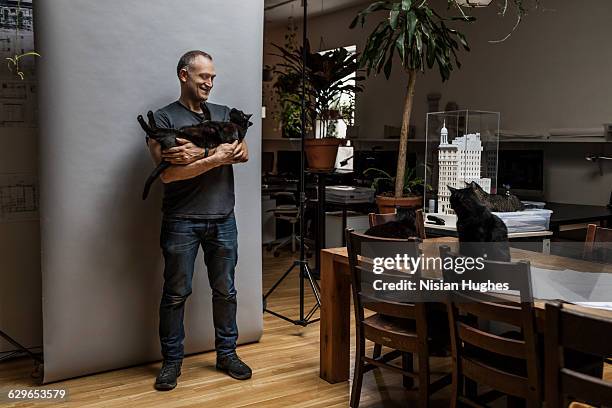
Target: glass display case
column 460, row 147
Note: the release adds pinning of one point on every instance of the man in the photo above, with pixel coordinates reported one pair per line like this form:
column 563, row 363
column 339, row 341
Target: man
column 198, row 209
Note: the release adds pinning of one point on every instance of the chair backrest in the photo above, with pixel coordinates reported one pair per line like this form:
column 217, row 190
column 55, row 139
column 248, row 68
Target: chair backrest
column 473, row 316
column 571, row 330
column 362, row 251
column 598, row 244
column 377, row 219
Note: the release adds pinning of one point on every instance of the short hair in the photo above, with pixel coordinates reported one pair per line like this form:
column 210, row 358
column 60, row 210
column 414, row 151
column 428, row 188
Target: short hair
column 187, row 59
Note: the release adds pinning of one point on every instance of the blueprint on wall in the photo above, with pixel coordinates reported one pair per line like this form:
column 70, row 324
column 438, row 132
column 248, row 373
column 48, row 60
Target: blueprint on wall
column 18, row 197
column 17, row 96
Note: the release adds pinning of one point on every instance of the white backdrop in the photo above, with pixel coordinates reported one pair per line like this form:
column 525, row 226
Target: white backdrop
column 103, row 63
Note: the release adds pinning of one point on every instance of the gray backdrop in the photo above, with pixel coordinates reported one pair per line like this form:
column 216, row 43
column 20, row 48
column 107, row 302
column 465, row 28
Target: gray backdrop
column 103, row 63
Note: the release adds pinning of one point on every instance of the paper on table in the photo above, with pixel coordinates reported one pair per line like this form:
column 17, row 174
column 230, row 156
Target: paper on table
column 590, row 289
column 571, row 286
column 597, row 305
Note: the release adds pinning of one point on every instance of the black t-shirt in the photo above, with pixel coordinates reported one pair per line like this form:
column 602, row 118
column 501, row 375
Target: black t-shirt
column 209, row 195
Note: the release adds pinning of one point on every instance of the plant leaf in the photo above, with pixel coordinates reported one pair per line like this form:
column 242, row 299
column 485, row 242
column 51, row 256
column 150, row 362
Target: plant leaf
column 406, row 4
column 393, row 18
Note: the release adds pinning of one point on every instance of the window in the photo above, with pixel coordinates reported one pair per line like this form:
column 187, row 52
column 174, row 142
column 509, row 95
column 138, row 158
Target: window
column 345, row 104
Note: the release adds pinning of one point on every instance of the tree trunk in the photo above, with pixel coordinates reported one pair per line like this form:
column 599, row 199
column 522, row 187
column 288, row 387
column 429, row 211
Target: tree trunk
column 403, row 144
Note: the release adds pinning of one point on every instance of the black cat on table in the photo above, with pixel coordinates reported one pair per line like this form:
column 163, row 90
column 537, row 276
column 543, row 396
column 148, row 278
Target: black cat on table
column 476, row 225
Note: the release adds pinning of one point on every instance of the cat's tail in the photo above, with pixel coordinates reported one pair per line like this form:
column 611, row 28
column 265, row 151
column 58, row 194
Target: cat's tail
column 153, row 176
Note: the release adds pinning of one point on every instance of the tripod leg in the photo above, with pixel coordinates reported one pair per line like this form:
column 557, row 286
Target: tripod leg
column 313, row 285
column 312, row 312
column 20, row 347
column 278, row 282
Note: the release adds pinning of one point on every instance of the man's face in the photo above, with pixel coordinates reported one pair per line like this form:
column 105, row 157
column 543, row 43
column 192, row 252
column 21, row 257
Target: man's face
column 199, row 78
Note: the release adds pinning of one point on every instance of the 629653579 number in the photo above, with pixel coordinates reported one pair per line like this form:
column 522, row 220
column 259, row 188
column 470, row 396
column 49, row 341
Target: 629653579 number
column 33, row 394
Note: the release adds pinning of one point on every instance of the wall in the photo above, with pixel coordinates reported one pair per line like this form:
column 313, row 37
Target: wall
column 104, row 63
column 553, row 72
column 20, row 287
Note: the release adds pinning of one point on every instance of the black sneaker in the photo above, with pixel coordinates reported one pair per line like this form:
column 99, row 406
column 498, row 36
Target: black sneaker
column 234, row 367
column 166, row 379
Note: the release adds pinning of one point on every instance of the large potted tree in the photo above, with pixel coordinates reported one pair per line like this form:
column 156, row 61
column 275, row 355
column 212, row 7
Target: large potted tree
column 327, row 78
column 422, row 38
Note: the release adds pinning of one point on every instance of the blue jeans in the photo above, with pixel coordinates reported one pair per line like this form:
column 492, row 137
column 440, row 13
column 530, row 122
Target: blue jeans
column 180, row 241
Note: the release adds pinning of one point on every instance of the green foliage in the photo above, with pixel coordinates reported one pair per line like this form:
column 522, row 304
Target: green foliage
column 419, row 35
column 325, row 78
column 383, row 182
column 347, row 110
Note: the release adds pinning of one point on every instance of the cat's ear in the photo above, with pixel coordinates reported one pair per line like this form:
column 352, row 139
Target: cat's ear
column 144, row 125
column 152, row 123
column 451, row 189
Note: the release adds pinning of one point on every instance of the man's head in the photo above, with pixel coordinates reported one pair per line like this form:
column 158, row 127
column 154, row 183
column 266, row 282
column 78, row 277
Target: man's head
column 196, row 73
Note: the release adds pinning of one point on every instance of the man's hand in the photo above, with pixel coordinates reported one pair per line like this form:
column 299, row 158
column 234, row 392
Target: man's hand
column 241, row 153
column 224, row 153
column 185, row 153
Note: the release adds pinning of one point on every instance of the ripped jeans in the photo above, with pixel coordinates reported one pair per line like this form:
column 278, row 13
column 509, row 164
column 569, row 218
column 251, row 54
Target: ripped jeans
column 180, row 240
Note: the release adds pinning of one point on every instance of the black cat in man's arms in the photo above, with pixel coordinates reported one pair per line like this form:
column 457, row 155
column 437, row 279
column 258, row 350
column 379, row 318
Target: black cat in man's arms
column 208, row 134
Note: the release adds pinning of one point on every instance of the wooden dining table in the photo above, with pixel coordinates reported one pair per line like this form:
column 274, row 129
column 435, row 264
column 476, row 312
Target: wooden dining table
column 336, row 301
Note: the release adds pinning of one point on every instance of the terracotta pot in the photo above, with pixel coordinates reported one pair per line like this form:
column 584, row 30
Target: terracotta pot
column 388, row 205
column 321, row 153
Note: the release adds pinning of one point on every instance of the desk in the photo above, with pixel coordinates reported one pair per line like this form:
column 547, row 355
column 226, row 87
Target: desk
column 434, row 230
column 565, row 214
column 336, row 296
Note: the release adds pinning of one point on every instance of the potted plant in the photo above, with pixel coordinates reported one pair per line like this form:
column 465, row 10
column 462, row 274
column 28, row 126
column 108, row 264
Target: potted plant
column 327, row 78
column 413, row 189
column 288, row 97
column 287, row 88
column 421, row 38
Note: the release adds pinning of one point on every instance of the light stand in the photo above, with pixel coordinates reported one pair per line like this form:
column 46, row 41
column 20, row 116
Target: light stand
column 305, row 318
column 20, row 349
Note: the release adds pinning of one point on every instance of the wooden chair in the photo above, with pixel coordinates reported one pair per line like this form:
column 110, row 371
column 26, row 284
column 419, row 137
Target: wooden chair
column 570, row 330
column 396, row 324
column 377, row 219
column 598, row 244
column 508, row 362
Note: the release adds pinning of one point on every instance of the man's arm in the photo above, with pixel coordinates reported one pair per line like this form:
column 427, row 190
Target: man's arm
column 223, row 154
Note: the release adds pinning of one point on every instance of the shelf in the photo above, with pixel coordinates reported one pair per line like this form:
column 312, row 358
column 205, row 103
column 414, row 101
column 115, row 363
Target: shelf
column 297, row 140
column 592, row 139
column 501, row 140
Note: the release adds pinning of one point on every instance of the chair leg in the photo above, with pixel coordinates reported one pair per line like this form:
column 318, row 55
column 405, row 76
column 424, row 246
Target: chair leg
column 423, row 380
column 377, row 351
column 456, row 387
column 408, row 365
column 293, row 239
column 358, row 374
column 471, row 388
column 515, row 402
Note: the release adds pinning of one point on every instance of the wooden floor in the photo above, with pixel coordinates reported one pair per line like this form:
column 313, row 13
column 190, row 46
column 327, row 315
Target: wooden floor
column 285, row 372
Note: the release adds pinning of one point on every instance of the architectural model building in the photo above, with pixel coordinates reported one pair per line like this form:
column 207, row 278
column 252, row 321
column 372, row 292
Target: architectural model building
column 459, row 163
